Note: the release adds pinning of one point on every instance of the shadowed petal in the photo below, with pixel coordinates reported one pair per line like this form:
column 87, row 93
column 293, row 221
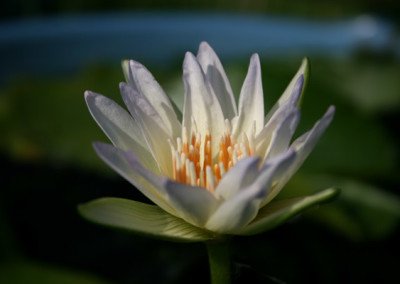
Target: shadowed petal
column 215, row 74
column 303, row 146
column 285, row 117
column 264, row 138
column 148, row 183
column 116, row 123
column 240, row 209
column 238, row 177
column 283, row 134
column 193, row 204
column 120, row 127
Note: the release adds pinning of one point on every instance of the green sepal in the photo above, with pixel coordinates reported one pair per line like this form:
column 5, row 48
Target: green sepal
column 125, row 70
column 303, row 70
column 145, row 219
column 277, row 212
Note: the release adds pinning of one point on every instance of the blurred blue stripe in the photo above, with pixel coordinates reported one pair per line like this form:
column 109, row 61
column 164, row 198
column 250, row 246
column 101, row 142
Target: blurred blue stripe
column 59, row 44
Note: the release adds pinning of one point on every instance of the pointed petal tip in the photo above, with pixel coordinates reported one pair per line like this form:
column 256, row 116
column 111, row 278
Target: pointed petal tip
column 255, row 58
column 329, row 114
column 305, row 65
column 331, row 193
column 87, row 94
column 125, row 61
column 297, row 90
column 135, row 64
column 189, row 61
column 99, row 146
column 306, row 60
column 204, row 45
column 189, row 55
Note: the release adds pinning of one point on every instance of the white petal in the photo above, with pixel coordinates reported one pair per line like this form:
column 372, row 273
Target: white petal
column 192, row 203
column 151, row 125
column 303, row 72
column 215, row 74
column 239, row 210
column 115, row 121
column 201, row 103
column 251, row 101
column 238, row 177
column 141, row 80
column 303, row 146
column 120, row 127
column 128, row 166
column 283, row 134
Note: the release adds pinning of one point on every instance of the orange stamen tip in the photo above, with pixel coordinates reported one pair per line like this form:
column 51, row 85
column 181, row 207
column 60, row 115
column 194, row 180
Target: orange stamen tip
column 186, row 158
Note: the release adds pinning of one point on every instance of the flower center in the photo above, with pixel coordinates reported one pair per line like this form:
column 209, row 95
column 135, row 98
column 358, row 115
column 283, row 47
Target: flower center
column 194, row 162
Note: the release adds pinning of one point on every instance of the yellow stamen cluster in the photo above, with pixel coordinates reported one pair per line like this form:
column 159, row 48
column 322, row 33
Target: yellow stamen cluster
column 190, row 168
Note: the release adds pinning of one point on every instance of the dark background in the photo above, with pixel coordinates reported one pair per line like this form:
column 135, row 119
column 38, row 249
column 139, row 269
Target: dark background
column 51, row 51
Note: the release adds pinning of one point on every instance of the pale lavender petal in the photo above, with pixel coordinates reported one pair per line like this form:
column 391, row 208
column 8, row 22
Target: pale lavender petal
column 120, row 127
column 194, row 204
column 305, row 143
column 115, row 121
column 240, row 209
column 303, row 146
column 238, row 177
column 215, row 74
column 128, row 166
column 282, row 116
column 283, row 134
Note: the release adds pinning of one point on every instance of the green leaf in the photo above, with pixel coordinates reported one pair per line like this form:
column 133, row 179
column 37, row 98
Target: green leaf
column 141, row 218
column 277, row 212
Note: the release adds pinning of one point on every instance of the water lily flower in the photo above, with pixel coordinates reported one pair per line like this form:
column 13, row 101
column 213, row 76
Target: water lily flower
column 211, row 170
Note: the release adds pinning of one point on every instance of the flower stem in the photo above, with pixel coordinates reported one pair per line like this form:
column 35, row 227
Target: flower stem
column 220, row 262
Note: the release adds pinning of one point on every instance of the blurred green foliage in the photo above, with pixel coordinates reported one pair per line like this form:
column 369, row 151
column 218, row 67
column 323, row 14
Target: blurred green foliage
column 46, row 140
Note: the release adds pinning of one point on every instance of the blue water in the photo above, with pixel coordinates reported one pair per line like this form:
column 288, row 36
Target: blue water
column 55, row 45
